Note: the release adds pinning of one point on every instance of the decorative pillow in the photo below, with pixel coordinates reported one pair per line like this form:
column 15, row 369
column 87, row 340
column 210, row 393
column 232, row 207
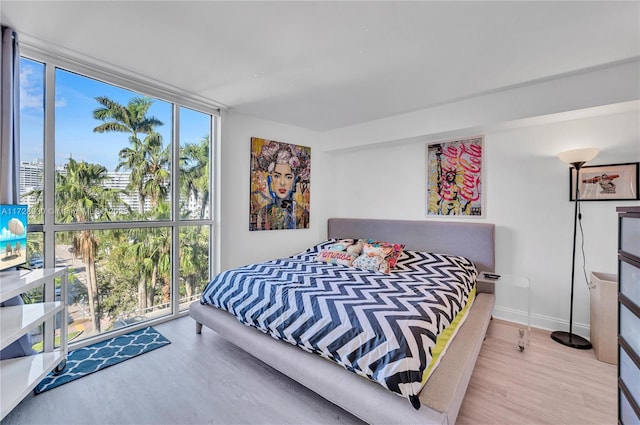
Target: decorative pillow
column 353, row 246
column 336, row 257
column 377, row 250
column 396, row 250
column 372, row 262
column 311, row 253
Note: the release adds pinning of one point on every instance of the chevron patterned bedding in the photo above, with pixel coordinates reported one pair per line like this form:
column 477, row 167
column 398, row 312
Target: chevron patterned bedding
column 386, row 327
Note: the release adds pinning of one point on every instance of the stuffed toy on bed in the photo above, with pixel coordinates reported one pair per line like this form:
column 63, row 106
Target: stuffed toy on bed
column 374, row 258
column 352, row 246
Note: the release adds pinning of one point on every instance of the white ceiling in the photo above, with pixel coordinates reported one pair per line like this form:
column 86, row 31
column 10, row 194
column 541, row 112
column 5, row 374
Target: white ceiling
column 325, row 65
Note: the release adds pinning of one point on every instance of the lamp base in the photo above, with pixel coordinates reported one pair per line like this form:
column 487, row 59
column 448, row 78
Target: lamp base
column 571, row 340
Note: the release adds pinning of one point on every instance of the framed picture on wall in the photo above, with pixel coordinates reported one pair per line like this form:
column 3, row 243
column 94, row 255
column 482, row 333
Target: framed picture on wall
column 280, row 185
column 609, row 182
column 454, row 177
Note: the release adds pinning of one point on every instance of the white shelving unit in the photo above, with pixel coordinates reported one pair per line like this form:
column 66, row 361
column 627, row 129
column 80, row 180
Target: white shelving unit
column 20, row 375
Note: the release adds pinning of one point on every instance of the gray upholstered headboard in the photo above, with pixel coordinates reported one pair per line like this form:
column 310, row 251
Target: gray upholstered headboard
column 476, row 241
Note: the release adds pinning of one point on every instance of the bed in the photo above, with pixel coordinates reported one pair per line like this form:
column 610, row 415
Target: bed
column 363, row 392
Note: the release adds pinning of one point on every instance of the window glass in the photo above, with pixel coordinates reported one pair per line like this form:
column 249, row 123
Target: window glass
column 109, row 220
column 117, row 278
column 31, row 135
column 116, row 144
column 195, row 136
column 194, row 263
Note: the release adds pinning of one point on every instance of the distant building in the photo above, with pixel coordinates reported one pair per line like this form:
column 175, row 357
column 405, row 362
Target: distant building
column 31, row 179
column 120, row 180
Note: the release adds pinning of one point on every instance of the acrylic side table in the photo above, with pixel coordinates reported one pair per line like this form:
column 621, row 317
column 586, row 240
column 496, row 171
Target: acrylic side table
column 518, row 282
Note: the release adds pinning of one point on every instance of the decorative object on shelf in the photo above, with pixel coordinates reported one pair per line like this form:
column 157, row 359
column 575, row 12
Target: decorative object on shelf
column 611, row 182
column 280, row 185
column 454, row 177
column 577, row 158
column 86, row 360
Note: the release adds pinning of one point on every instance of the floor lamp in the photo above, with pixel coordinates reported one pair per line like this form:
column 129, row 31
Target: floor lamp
column 577, row 158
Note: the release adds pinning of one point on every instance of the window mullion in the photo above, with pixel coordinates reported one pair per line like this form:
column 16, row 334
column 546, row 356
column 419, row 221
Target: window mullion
column 49, row 167
column 215, row 179
column 175, row 211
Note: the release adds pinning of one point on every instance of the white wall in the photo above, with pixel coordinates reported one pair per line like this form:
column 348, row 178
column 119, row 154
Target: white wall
column 238, row 245
column 526, row 190
column 376, row 170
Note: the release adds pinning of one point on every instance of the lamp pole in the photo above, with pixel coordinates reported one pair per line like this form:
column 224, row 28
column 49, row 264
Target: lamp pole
column 568, row 338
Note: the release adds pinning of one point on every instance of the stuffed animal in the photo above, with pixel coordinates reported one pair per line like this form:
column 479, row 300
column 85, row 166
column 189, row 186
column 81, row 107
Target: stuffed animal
column 356, row 247
column 352, row 246
column 342, row 245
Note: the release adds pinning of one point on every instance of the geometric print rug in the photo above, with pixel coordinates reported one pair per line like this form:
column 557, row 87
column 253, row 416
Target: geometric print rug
column 92, row 358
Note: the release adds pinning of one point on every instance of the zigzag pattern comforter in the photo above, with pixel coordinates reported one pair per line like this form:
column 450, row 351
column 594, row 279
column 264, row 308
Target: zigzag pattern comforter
column 383, row 327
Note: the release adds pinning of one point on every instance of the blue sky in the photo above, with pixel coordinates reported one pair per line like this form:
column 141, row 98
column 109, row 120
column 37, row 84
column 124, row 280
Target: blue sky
column 75, row 102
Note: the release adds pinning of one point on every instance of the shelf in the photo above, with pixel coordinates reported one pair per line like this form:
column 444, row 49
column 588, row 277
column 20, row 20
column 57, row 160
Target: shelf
column 22, row 374
column 18, row 376
column 17, row 282
column 17, row 320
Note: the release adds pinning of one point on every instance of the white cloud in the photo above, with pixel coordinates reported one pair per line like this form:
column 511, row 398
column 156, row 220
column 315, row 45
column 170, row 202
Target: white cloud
column 31, row 90
column 5, row 234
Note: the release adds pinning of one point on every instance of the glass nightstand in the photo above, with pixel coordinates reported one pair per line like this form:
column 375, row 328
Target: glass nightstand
column 515, row 281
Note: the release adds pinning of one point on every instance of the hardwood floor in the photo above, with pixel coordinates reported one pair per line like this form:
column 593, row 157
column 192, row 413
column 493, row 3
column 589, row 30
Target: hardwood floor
column 206, row 380
column 547, row 383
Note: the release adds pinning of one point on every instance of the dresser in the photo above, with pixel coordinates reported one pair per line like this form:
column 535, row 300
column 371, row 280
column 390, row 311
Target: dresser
column 629, row 315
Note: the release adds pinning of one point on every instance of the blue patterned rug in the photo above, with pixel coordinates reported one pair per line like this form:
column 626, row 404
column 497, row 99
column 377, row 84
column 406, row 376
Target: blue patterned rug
column 86, row 360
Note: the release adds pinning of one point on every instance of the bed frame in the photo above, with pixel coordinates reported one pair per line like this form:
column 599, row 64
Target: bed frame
column 442, row 395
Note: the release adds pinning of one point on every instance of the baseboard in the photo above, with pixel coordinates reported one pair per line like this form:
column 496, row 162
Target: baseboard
column 539, row 321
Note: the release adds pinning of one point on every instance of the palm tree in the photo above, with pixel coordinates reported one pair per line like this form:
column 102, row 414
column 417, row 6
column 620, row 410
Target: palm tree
column 194, row 258
column 151, row 247
column 131, row 119
column 194, row 173
column 148, row 163
column 160, row 243
column 81, row 197
column 156, row 184
column 139, row 250
column 130, row 159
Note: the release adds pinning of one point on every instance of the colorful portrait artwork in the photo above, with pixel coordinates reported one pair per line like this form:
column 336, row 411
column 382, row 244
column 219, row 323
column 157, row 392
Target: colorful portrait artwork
column 454, row 177
column 280, row 185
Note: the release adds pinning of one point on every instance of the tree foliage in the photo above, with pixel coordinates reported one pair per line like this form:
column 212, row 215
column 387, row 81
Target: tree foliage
column 127, row 272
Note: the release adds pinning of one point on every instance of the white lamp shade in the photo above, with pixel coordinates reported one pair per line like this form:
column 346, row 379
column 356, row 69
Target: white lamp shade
column 578, row 155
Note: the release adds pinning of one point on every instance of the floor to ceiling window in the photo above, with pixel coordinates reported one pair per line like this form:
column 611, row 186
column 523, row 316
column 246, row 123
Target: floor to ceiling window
column 119, row 189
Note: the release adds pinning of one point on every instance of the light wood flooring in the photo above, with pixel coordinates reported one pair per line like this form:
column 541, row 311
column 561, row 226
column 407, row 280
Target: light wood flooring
column 547, row 383
column 202, row 379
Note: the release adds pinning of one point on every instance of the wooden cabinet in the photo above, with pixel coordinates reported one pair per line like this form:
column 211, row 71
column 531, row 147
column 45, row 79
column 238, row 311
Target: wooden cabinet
column 18, row 376
column 629, row 315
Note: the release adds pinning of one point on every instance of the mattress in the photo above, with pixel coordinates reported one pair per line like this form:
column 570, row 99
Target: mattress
column 390, row 328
